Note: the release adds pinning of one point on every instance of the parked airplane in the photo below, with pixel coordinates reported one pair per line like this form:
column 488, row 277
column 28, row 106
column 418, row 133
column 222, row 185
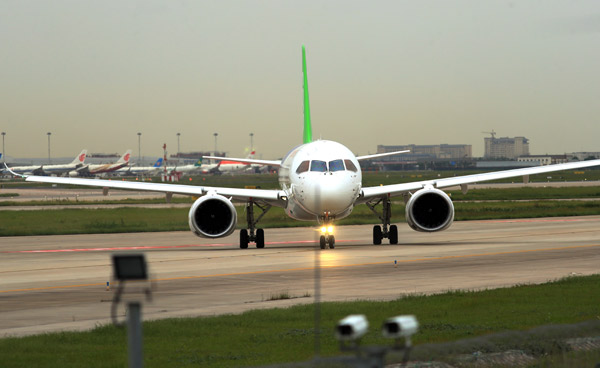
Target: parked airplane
column 197, row 167
column 51, row 169
column 320, row 181
column 139, row 170
column 229, row 166
column 95, row 169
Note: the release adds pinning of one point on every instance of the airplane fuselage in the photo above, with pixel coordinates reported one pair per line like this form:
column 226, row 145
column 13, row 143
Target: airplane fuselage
column 322, row 180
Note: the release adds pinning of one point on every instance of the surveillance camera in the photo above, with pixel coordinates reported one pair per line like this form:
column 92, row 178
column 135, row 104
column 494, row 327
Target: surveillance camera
column 129, row 267
column 400, row 326
column 352, row 327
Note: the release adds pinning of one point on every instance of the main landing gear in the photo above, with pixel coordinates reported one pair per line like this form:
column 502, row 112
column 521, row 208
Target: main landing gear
column 252, row 234
column 386, row 230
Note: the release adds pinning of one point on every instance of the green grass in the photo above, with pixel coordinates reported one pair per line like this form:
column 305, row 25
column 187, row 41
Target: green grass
column 525, row 193
column 283, row 335
column 120, row 220
column 9, row 195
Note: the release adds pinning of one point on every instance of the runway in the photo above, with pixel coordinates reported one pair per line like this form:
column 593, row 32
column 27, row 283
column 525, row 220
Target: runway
column 51, row 283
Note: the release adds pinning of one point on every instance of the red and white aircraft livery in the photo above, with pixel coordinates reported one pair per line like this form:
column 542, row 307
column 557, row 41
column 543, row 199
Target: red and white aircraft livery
column 228, row 165
column 95, row 169
column 50, row 169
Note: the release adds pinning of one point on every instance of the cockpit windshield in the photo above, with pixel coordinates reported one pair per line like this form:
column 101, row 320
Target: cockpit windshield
column 318, row 166
column 303, row 167
column 323, row 166
column 336, row 165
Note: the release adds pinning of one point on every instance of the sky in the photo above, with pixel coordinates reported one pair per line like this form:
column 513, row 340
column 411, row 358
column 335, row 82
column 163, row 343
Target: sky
column 95, row 73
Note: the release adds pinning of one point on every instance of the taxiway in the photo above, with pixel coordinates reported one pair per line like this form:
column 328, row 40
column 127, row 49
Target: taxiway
column 52, row 283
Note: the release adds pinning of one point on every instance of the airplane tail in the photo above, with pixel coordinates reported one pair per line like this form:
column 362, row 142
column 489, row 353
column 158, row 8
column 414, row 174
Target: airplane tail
column 251, row 154
column 307, row 135
column 80, row 158
column 125, row 158
column 158, row 162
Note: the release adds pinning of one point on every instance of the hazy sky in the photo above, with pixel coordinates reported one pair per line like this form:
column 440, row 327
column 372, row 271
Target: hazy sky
column 94, row 73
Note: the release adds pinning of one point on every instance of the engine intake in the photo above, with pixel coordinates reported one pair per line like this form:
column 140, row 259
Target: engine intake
column 429, row 210
column 212, row 216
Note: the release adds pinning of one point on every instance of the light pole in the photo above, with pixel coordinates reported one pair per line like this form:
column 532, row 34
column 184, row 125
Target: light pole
column 178, row 150
column 139, row 148
column 251, row 141
column 49, row 159
column 3, row 154
column 215, row 134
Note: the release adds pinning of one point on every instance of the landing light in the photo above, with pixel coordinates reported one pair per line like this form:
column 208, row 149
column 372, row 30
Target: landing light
column 327, row 229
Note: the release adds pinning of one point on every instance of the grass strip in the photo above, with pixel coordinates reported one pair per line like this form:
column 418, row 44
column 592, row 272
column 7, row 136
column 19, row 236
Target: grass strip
column 286, row 334
column 490, row 194
column 121, row 220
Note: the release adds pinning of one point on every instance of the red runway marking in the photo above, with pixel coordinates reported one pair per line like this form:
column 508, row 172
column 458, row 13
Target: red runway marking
column 158, row 247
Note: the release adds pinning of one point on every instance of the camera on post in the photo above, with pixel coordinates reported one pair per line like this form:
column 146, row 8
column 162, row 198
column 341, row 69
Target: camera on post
column 352, row 327
column 128, row 267
column 400, row 326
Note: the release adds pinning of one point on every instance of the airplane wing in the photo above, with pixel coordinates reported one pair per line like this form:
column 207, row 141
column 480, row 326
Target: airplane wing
column 246, row 160
column 369, row 193
column 377, row 155
column 274, row 197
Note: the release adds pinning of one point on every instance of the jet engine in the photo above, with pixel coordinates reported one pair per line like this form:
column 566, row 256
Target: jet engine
column 429, row 210
column 212, row 216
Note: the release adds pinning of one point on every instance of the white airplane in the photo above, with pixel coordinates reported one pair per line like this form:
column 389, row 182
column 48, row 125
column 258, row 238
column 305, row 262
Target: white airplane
column 95, row 169
column 197, row 167
column 229, row 166
column 51, row 169
column 138, row 170
column 321, row 181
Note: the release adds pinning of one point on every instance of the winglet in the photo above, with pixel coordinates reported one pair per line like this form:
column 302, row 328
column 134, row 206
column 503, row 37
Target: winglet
column 12, row 172
column 307, row 136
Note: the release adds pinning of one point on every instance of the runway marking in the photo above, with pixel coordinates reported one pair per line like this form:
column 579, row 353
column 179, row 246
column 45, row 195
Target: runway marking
column 160, row 247
column 312, row 268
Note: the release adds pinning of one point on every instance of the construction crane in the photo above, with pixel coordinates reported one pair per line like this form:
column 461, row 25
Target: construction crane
column 492, row 133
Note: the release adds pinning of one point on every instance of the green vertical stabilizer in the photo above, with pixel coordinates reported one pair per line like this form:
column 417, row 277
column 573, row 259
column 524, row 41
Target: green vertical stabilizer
column 307, row 136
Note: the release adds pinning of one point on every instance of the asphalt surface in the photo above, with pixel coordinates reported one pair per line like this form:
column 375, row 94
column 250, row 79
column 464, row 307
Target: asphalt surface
column 52, row 283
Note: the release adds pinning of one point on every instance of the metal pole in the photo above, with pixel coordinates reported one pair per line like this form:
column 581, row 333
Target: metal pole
column 49, row 159
column 139, row 148
column 251, row 141
column 215, row 134
column 134, row 334
column 178, row 149
column 3, row 153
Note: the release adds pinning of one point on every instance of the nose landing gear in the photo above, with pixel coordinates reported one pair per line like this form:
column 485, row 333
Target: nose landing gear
column 327, row 240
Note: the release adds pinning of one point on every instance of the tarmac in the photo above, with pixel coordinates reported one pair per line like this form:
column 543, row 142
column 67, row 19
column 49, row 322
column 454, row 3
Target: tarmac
column 56, row 283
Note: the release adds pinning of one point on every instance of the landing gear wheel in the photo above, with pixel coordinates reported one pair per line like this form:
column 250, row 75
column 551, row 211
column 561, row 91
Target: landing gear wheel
column 393, row 235
column 331, row 241
column 377, row 235
column 244, row 239
column 322, row 242
column 260, row 238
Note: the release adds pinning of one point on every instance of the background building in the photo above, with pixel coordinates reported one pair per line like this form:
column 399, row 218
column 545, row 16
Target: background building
column 505, row 147
column 439, row 151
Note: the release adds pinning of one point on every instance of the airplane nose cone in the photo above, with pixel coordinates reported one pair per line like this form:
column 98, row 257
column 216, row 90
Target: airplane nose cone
column 331, row 195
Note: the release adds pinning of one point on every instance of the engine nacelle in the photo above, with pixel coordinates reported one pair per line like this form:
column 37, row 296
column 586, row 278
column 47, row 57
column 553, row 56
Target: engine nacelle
column 212, row 216
column 429, row 210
